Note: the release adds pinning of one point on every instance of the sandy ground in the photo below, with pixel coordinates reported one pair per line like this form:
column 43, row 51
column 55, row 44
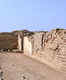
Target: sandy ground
column 16, row 66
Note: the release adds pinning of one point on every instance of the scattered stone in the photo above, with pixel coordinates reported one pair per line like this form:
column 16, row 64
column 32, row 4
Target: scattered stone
column 1, row 74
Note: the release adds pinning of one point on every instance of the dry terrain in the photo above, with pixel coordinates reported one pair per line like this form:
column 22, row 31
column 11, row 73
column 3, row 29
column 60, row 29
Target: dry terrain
column 16, row 66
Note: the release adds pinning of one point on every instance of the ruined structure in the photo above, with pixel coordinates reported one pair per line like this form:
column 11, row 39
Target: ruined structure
column 34, row 43
column 48, row 47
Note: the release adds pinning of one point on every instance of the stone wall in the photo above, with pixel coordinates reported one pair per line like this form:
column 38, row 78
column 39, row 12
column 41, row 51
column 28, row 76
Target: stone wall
column 55, row 49
column 49, row 47
column 27, row 46
column 38, row 41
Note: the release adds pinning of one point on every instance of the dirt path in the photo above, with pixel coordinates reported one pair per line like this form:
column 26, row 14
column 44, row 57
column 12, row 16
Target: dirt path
column 19, row 67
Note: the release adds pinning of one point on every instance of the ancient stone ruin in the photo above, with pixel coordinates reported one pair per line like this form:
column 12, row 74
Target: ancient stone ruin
column 49, row 47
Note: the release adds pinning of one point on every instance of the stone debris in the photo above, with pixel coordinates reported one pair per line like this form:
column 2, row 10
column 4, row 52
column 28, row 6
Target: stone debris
column 1, row 74
column 25, row 77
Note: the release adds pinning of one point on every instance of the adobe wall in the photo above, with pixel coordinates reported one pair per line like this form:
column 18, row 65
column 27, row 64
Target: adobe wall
column 48, row 47
column 27, row 46
column 19, row 42
column 34, row 43
column 38, row 41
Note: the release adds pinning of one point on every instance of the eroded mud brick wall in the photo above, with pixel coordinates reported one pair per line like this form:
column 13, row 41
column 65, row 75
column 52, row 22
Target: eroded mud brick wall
column 34, row 43
column 38, row 43
column 27, row 46
column 54, row 51
column 28, row 43
column 20, row 41
column 50, row 47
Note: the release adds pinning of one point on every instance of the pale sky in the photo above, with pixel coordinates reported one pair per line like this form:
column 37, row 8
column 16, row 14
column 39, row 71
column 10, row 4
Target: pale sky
column 32, row 14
